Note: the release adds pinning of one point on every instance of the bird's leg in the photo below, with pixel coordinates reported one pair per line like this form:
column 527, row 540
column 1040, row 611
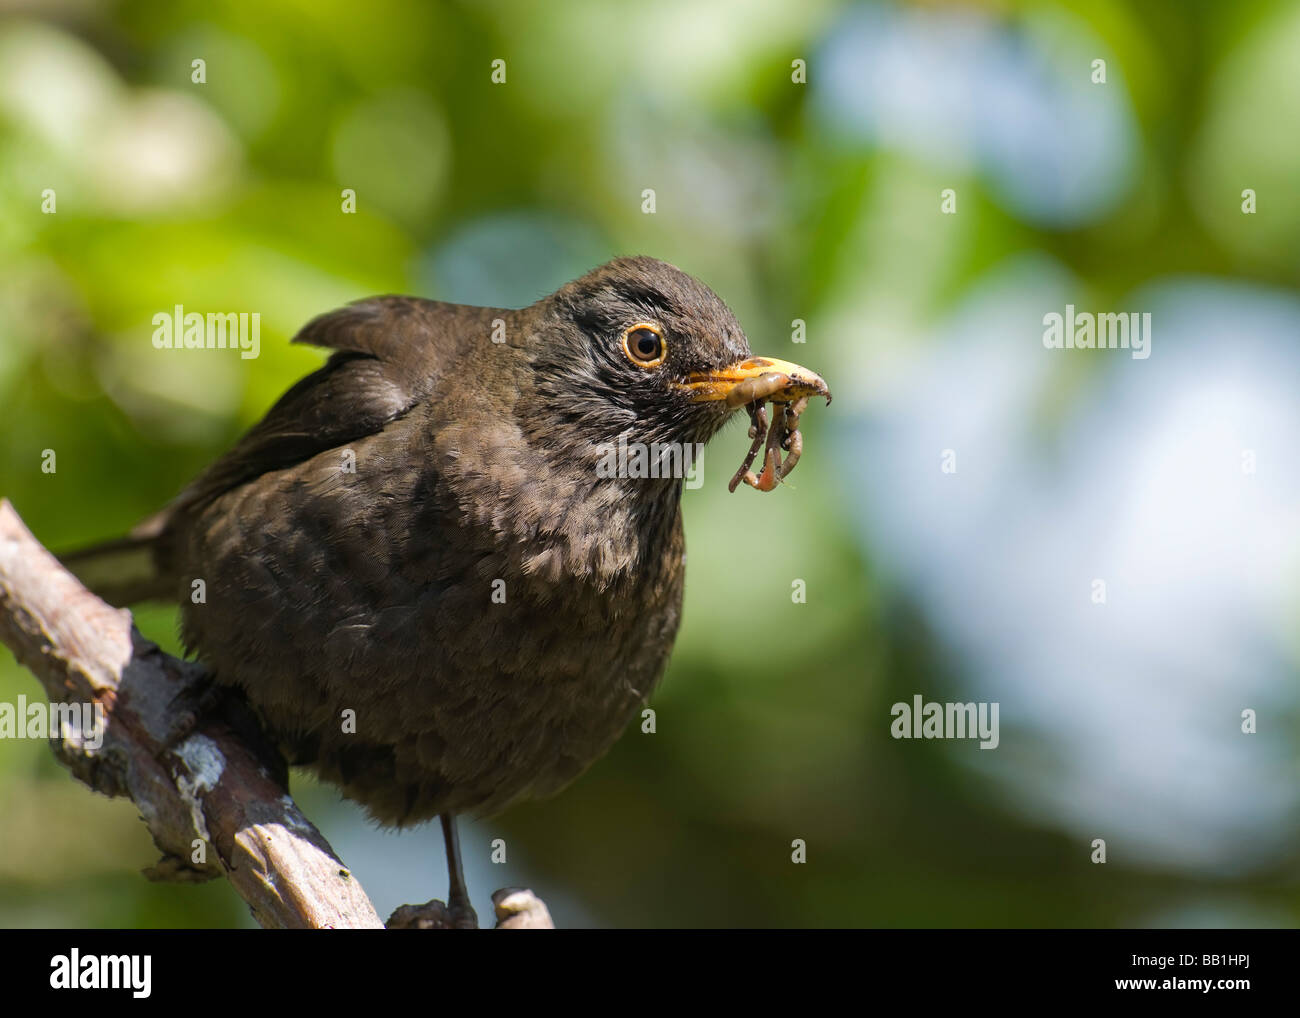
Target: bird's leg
column 458, row 913
column 458, row 905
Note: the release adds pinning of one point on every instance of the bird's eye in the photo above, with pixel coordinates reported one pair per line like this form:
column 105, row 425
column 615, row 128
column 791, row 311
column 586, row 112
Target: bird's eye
column 644, row 345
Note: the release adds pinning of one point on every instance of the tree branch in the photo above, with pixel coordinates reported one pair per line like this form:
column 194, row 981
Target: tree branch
column 212, row 807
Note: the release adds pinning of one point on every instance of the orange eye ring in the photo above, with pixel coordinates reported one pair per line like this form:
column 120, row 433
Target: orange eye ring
column 643, row 343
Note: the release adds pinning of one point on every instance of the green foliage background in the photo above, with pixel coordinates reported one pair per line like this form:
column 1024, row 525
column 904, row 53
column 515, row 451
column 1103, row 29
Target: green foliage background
column 773, row 719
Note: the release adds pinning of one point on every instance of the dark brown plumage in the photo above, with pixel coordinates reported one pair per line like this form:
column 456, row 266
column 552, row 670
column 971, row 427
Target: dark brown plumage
column 370, row 590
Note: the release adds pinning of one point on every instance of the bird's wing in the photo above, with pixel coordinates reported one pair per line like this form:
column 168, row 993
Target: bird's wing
column 390, row 353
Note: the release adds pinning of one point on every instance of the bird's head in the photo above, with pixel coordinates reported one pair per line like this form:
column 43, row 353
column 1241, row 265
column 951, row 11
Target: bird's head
column 639, row 349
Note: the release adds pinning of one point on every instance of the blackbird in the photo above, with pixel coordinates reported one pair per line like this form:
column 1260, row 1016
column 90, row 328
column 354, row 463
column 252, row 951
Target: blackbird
column 414, row 567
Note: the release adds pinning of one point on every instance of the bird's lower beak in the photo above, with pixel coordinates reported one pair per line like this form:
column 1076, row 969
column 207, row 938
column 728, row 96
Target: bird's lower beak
column 755, row 378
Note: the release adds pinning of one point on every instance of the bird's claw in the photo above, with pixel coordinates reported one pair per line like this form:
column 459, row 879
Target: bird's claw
column 516, row 908
column 433, row 915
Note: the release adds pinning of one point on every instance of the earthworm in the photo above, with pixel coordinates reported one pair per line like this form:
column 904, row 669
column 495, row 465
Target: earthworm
column 757, row 431
column 757, row 390
column 782, row 434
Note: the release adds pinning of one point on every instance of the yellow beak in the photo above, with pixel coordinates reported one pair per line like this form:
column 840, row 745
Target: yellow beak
column 756, row 378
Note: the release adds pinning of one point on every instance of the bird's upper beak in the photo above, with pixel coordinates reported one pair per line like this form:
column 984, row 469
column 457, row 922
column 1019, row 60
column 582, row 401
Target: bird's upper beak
column 755, row 378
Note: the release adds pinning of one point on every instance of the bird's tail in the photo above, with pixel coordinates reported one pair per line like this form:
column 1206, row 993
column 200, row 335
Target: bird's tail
column 127, row 570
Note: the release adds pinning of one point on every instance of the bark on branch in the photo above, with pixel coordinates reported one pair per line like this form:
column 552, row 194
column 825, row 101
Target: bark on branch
column 209, row 791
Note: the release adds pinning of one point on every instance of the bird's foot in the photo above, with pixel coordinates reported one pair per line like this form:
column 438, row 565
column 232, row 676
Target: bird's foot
column 434, row 915
column 463, row 916
column 517, row 908
column 196, row 700
column 203, row 700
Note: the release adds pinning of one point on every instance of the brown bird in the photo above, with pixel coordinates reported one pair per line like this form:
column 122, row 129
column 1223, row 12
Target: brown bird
column 416, row 568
